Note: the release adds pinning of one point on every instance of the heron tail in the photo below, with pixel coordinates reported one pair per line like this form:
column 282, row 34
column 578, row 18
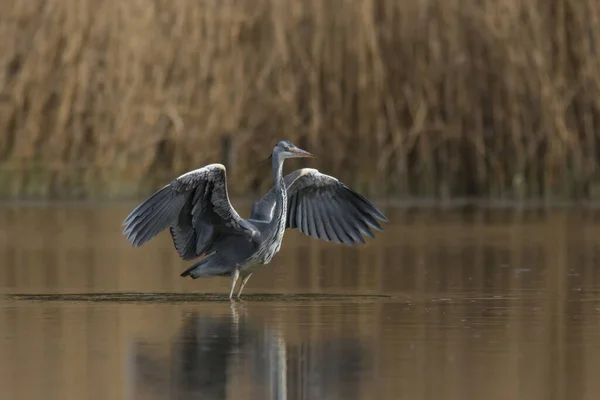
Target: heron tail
column 207, row 267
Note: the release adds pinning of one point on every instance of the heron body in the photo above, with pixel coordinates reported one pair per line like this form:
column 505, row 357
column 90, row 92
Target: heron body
column 196, row 209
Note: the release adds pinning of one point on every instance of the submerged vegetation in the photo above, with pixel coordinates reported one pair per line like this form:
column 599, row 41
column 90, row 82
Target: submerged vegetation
column 413, row 98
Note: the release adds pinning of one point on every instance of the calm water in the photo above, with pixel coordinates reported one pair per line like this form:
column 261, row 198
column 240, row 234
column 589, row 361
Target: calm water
column 479, row 305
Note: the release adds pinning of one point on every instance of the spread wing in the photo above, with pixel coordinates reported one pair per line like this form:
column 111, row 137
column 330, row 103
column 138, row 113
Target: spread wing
column 196, row 209
column 323, row 207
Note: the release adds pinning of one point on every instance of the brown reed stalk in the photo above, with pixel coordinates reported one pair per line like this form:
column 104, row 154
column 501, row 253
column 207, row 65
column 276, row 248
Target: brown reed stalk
column 426, row 98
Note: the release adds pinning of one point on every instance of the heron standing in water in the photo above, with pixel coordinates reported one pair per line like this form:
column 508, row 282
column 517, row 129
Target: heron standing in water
column 196, row 209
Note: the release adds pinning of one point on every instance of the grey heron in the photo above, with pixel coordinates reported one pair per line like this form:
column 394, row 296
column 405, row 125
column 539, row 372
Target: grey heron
column 202, row 222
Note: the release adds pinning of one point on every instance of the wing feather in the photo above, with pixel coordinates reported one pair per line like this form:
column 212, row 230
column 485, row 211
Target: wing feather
column 195, row 207
column 319, row 222
column 329, row 232
column 321, row 206
column 361, row 210
column 346, row 224
column 304, row 218
column 312, row 226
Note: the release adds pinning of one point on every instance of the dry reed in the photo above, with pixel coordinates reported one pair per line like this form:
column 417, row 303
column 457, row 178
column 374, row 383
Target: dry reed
column 423, row 97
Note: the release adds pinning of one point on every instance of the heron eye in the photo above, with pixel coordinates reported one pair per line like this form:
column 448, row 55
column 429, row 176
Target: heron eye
column 286, row 148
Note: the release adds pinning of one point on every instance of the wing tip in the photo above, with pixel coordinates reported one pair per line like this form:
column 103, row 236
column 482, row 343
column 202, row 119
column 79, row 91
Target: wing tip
column 380, row 216
column 371, row 209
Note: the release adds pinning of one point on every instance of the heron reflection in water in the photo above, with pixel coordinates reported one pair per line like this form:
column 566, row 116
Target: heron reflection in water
column 220, row 356
column 202, row 222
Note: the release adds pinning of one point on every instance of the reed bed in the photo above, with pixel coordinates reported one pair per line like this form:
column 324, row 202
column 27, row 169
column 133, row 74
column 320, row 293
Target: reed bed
column 494, row 98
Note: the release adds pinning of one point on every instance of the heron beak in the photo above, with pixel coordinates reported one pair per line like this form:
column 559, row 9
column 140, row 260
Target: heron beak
column 303, row 154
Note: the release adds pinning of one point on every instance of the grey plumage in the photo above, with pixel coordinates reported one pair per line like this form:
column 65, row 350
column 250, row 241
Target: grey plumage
column 323, row 207
column 196, row 209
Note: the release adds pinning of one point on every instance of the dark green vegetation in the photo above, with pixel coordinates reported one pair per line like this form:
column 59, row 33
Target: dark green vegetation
column 423, row 98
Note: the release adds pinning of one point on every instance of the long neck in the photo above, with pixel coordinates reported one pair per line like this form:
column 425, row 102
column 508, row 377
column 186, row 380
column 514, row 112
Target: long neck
column 277, row 164
column 280, row 190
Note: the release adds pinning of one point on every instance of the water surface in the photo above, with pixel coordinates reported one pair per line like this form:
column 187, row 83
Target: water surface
column 463, row 304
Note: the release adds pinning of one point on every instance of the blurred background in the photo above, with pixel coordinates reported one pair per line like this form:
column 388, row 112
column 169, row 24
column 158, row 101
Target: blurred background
column 473, row 125
column 421, row 98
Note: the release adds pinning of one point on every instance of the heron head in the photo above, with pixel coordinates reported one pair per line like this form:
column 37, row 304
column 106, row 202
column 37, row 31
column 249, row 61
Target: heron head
column 285, row 149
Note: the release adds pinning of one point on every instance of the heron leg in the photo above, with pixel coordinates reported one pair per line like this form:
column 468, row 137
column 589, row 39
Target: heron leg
column 244, row 281
column 234, row 277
